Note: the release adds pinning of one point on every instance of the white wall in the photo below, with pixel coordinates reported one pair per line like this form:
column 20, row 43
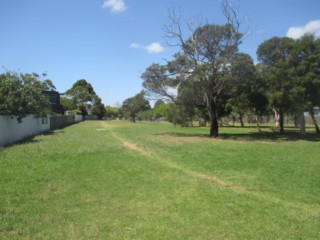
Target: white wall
column 11, row 131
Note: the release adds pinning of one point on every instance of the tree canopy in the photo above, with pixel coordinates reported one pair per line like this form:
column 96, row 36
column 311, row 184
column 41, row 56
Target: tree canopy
column 98, row 109
column 202, row 62
column 21, row 94
column 133, row 105
column 291, row 68
column 82, row 94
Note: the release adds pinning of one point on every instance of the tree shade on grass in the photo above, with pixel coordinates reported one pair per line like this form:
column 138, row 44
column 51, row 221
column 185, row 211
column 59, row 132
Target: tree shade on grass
column 116, row 180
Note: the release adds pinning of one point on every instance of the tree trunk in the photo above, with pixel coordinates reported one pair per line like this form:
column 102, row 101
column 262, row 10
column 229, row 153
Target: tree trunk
column 302, row 123
column 296, row 121
column 133, row 118
column 214, row 128
column 281, row 121
column 258, row 123
column 241, row 120
column 314, row 120
column 211, row 108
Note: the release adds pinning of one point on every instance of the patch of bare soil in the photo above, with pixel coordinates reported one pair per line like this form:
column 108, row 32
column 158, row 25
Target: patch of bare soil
column 134, row 147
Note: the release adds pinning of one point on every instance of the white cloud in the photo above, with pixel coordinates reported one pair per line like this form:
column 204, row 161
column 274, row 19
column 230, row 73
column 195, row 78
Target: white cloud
column 311, row 27
column 115, row 5
column 154, row 48
column 151, row 48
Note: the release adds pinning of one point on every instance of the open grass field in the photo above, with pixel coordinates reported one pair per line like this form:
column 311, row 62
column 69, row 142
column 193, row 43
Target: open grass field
column 118, row 180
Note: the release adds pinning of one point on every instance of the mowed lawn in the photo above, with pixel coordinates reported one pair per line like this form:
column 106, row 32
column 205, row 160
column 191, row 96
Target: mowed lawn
column 118, row 180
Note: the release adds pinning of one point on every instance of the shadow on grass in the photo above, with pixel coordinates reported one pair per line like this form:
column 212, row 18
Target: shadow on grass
column 32, row 139
column 270, row 136
column 52, row 132
column 289, row 135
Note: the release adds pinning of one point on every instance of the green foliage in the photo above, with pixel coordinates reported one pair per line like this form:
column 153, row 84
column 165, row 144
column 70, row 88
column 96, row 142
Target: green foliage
column 199, row 72
column 305, row 61
column 21, row 94
column 161, row 110
column 83, row 95
column 158, row 83
column 209, row 78
column 291, row 68
column 112, row 112
column 133, row 105
column 247, row 91
column 48, row 85
column 274, row 55
column 68, row 103
column 274, row 51
column 146, row 115
column 98, row 109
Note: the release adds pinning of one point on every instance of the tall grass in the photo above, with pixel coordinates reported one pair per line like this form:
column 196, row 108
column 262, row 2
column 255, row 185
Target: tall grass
column 117, row 180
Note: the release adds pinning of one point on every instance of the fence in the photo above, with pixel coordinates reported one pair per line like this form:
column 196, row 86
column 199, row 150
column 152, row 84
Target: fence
column 11, row 131
column 63, row 121
column 91, row 117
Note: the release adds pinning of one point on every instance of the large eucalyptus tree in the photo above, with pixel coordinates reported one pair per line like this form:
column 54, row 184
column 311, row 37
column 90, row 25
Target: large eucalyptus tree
column 204, row 58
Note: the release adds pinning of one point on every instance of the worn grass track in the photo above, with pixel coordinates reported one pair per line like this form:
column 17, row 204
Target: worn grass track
column 117, row 180
column 211, row 179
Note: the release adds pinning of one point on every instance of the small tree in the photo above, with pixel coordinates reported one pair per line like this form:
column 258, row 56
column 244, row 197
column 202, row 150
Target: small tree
column 98, row 109
column 248, row 89
column 305, row 62
column 161, row 110
column 274, row 56
column 83, row 95
column 135, row 104
column 242, row 73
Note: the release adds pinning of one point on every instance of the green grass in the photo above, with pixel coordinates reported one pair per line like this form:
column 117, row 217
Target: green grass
column 118, row 180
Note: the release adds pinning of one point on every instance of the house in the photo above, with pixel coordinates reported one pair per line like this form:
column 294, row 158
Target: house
column 54, row 99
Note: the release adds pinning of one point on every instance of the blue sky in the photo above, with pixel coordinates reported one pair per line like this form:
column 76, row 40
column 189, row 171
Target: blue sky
column 111, row 42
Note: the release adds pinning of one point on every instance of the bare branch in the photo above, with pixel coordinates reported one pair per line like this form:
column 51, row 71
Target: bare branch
column 232, row 15
column 173, row 29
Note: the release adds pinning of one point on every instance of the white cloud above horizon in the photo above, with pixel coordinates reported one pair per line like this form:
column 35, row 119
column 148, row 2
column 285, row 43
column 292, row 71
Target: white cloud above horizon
column 312, row 27
column 116, row 6
column 154, row 47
